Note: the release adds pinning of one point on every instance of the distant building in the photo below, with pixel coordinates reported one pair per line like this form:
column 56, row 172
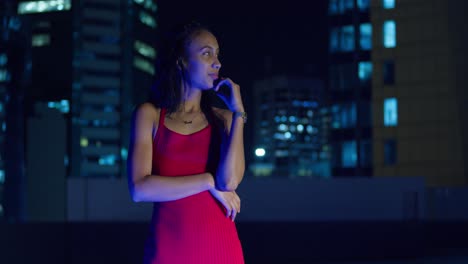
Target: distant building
column 94, row 61
column 15, row 60
column 289, row 134
column 91, row 63
column 350, row 87
column 419, row 90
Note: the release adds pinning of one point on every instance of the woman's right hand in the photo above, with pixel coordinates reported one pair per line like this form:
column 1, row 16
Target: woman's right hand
column 230, row 201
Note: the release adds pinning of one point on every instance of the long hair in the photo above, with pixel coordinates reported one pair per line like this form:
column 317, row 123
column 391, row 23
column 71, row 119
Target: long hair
column 167, row 90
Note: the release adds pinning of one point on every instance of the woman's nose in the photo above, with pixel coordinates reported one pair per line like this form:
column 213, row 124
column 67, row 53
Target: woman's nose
column 217, row 64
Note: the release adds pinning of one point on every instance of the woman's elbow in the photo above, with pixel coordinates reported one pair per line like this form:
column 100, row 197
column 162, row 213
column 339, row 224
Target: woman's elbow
column 135, row 194
column 228, row 186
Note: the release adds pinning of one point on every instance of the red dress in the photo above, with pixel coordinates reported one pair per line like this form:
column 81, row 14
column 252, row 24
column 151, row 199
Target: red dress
column 194, row 229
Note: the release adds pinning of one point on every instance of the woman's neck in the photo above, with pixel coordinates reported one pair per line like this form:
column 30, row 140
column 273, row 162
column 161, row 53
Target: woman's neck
column 191, row 101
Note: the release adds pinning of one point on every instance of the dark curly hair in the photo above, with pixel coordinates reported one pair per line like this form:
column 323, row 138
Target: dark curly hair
column 167, row 89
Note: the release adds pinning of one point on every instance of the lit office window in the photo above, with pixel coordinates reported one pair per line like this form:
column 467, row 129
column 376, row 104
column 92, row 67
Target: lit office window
column 143, row 65
column 43, row 6
column 333, row 7
column 340, row 6
column 366, row 36
column 84, row 142
column 40, row 40
column 63, row 106
column 124, row 153
column 388, row 4
column 147, row 19
column 334, row 40
column 344, row 116
column 2, row 176
column 3, row 59
column 148, row 4
column 4, row 76
column 363, row 4
column 260, row 152
column 390, row 152
column 388, row 72
column 347, row 38
column 144, row 49
column 389, row 34
column 349, row 154
column 346, row 5
column 390, row 112
column 107, row 160
column 365, row 72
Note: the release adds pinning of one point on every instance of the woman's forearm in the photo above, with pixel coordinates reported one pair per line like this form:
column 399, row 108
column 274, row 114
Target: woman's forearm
column 232, row 161
column 154, row 188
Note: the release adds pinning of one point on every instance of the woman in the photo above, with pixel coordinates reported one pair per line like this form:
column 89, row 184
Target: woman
column 187, row 156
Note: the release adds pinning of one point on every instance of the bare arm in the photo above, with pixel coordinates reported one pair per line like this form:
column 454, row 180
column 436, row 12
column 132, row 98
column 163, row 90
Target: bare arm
column 232, row 162
column 145, row 187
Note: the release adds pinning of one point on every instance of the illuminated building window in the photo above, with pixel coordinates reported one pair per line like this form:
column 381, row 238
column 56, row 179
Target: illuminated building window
column 347, row 38
column 388, row 4
column 4, row 76
column 43, row 6
column 363, row 4
column 300, row 128
column 147, row 19
column 366, row 36
column 349, row 154
column 389, row 34
column 334, row 40
column 40, row 40
column 124, row 153
column 389, row 72
column 390, row 152
column 344, row 116
column 3, row 59
column 391, row 112
column 342, row 39
column 2, row 176
column 63, row 106
column 260, row 152
column 282, row 127
column 340, row 6
column 143, row 65
column 107, row 160
column 365, row 72
column 144, row 49
column 84, row 142
column 148, row 4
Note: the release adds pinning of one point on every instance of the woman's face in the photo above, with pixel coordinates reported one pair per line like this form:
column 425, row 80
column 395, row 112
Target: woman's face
column 201, row 63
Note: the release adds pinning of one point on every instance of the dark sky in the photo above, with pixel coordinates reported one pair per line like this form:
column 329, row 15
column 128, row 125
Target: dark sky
column 292, row 35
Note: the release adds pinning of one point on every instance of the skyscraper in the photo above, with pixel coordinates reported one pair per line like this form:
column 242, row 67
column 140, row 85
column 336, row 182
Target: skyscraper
column 349, row 87
column 93, row 62
column 15, row 61
column 290, row 136
column 419, row 90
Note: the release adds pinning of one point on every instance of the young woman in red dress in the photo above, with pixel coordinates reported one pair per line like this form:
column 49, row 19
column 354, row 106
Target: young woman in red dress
column 187, row 156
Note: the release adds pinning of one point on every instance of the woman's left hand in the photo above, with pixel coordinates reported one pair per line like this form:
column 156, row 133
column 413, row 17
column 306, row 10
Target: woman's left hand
column 233, row 98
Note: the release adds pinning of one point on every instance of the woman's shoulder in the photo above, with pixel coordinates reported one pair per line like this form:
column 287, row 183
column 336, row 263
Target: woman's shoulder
column 147, row 111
